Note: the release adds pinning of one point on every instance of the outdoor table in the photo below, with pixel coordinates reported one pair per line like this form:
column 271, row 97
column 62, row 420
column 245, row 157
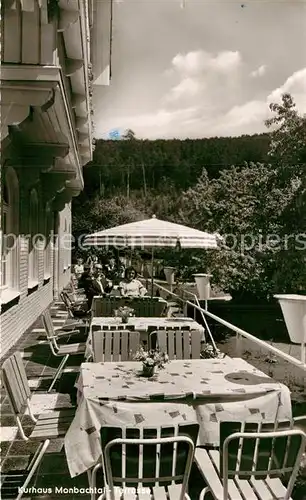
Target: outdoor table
column 140, row 325
column 206, row 391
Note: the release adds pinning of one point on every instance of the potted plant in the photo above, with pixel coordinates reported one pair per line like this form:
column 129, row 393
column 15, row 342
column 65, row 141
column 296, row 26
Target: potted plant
column 151, row 359
column 169, row 274
column 209, row 352
column 294, row 312
column 124, row 312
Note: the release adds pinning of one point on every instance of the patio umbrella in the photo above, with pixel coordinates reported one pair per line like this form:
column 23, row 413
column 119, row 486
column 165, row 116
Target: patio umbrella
column 152, row 233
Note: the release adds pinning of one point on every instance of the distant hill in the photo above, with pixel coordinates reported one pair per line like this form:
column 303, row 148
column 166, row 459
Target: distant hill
column 145, row 164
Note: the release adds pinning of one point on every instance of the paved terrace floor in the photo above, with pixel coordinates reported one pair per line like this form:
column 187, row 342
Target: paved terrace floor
column 40, row 366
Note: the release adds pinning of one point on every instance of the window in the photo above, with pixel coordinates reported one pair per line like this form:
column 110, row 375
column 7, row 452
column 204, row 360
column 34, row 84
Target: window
column 33, row 240
column 70, row 246
column 9, row 279
column 48, row 241
column 4, row 252
column 66, row 244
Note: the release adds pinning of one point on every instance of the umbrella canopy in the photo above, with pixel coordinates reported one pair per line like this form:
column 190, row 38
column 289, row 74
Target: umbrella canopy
column 152, row 233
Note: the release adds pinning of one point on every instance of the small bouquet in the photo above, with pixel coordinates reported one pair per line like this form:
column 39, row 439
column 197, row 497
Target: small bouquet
column 208, row 352
column 124, row 312
column 150, row 360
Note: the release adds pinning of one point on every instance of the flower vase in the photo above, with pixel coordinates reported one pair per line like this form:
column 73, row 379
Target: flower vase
column 148, row 370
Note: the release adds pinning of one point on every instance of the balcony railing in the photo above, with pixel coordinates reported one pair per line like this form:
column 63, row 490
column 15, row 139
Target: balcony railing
column 240, row 333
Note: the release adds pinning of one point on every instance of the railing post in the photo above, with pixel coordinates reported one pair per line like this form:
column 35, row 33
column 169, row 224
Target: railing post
column 185, row 309
column 238, row 349
column 303, row 345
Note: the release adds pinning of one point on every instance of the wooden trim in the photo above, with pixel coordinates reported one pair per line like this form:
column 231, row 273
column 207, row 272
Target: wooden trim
column 24, row 72
column 30, row 34
column 72, row 66
column 67, row 17
column 12, row 23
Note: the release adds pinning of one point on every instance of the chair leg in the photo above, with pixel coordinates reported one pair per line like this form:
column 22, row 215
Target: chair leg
column 33, row 466
column 59, row 371
column 20, row 428
column 92, row 474
column 203, row 493
column 30, row 412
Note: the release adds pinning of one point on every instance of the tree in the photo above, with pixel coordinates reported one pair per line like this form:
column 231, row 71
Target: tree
column 245, row 205
column 129, row 135
column 261, row 211
column 288, row 151
column 288, row 138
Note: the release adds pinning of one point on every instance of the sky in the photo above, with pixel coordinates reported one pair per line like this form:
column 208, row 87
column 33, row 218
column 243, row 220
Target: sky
column 201, row 68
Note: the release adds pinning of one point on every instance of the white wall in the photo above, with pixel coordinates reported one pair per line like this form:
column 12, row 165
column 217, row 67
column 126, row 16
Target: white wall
column 17, row 318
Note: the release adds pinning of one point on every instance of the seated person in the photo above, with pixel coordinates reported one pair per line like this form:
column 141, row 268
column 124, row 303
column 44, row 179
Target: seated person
column 73, row 289
column 100, row 284
column 78, row 268
column 91, row 261
column 94, row 284
column 85, row 282
column 130, row 286
column 72, row 286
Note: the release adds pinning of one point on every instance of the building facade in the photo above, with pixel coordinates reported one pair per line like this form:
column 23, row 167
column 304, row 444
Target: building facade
column 52, row 53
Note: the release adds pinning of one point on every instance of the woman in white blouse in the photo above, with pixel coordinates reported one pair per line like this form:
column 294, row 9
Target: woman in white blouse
column 130, row 286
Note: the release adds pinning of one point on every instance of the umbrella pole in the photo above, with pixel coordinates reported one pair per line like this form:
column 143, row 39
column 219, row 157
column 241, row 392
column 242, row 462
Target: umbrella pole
column 152, row 278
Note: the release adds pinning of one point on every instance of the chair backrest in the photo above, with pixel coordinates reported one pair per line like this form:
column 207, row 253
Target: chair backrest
column 49, row 329
column 65, row 298
column 68, row 302
column 48, row 325
column 300, row 423
column 116, row 326
column 114, row 345
column 152, row 332
column 149, row 457
column 143, row 306
column 148, row 306
column 260, row 450
column 180, row 344
column 103, row 306
column 15, row 382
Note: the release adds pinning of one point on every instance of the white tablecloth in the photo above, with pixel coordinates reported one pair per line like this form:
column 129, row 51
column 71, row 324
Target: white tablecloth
column 141, row 325
column 206, row 391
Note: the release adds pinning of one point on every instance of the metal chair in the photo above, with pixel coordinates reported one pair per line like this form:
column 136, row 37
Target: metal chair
column 76, row 308
column 300, row 423
column 253, row 458
column 114, row 345
column 149, row 463
column 179, row 344
column 66, row 330
column 63, row 351
column 49, row 425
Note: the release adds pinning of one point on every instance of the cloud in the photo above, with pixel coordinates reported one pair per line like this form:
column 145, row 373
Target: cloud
column 294, row 85
column 199, row 62
column 162, row 123
column 188, row 87
column 244, row 115
column 191, row 63
column 211, row 102
column 226, row 61
column 259, row 71
column 217, row 88
column 199, row 74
